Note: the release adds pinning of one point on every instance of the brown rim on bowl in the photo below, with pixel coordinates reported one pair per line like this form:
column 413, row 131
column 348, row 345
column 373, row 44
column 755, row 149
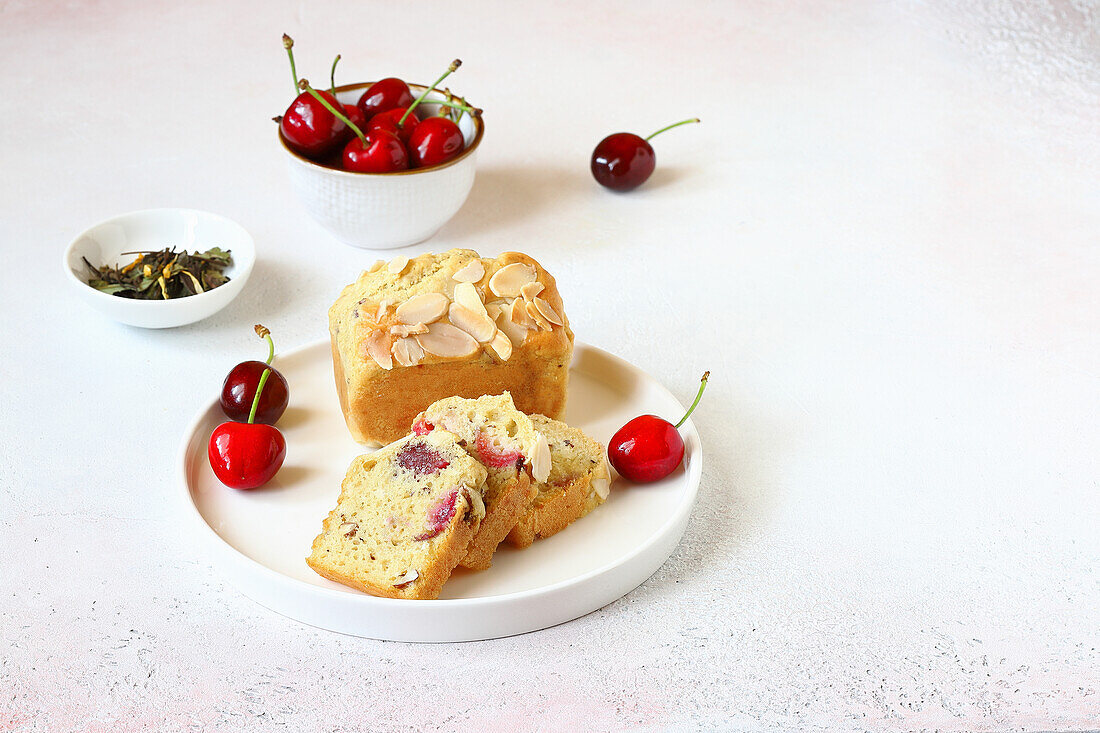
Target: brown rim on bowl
column 479, row 126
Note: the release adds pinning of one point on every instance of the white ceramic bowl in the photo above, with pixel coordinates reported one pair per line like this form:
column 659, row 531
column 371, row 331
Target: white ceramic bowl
column 386, row 210
column 155, row 229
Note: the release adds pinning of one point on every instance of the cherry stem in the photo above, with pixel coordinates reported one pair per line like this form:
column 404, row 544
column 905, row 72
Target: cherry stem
column 450, row 70
column 304, row 85
column 702, row 386
column 681, row 122
column 288, row 44
column 256, row 399
column 263, row 333
column 332, row 76
column 474, row 111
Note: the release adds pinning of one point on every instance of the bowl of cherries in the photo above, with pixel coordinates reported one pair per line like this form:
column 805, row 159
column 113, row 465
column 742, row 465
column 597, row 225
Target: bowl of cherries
column 380, row 164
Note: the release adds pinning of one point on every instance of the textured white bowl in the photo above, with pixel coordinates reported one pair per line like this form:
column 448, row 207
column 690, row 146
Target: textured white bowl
column 155, row 229
column 386, row 210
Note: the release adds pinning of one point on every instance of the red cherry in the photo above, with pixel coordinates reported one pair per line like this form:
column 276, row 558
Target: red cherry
column 435, row 140
column 311, row 129
column 384, row 95
column 355, row 116
column 377, row 151
column 390, row 121
column 422, row 427
column 648, row 448
column 624, row 161
column 307, row 125
column 245, row 455
column 239, row 388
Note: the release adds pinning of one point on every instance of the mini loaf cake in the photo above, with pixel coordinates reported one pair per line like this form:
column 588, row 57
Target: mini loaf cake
column 579, row 481
column 413, row 331
column 405, row 518
column 504, row 440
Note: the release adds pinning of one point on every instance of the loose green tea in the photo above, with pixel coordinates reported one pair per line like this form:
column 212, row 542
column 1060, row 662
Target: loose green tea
column 163, row 275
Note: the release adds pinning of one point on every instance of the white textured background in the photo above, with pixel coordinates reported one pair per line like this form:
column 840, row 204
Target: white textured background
column 883, row 240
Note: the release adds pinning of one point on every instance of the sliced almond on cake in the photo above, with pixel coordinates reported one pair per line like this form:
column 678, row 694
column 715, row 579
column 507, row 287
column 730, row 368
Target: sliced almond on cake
column 478, row 325
column 508, row 280
column 423, row 308
column 447, row 341
column 471, row 272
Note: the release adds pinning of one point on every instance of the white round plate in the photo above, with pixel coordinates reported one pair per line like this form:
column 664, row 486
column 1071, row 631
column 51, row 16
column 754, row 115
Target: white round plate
column 260, row 538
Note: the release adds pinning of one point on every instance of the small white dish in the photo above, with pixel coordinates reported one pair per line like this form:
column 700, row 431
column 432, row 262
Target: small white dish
column 259, row 539
column 386, row 210
column 155, row 229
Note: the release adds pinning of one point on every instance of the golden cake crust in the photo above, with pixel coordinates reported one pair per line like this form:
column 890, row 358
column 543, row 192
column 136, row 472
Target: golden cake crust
column 379, row 404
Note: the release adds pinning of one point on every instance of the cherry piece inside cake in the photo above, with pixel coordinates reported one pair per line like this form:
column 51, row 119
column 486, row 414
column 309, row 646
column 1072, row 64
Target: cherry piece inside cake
column 515, row 454
column 406, row 516
column 579, row 481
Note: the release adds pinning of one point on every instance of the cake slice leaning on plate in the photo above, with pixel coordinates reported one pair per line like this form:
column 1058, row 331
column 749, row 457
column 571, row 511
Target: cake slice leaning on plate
column 506, row 442
column 579, row 481
column 405, row 518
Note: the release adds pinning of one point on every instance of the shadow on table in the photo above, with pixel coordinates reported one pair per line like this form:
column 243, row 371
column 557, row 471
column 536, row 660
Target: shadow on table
column 503, row 195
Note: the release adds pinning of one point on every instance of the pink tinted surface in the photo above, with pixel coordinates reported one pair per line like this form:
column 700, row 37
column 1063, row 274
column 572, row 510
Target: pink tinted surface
column 882, row 240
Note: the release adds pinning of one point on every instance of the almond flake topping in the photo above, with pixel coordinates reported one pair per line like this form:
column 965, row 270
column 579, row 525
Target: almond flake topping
column 478, row 325
column 547, row 312
column 602, row 487
column 383, row 306
column 540, row 460
column 443, row 339
column 378, row 265
column 398, row 264
column 508, row 280
column 378, row 346
column 405, row 578
column 466, row 295
column 416, row 354
column 520, row 316
column 530, row 290
column 401, row 352
column 515, row 332
column 472, row 272
column 424, row 308
column 402, row 330
column 502, row 345
column 493, row 309
column 537, row 317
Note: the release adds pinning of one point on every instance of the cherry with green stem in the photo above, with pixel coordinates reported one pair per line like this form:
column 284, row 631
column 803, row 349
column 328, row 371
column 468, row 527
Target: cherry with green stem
column 374, row 151
column 246, row 455
column 648, row 448
column 624, row 161
column 309, row 128
column 242, row 384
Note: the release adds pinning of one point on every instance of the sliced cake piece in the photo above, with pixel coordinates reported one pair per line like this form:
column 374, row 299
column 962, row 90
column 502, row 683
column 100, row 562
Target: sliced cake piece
column 405, row 518
column 503, row 439
column 579, row 481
